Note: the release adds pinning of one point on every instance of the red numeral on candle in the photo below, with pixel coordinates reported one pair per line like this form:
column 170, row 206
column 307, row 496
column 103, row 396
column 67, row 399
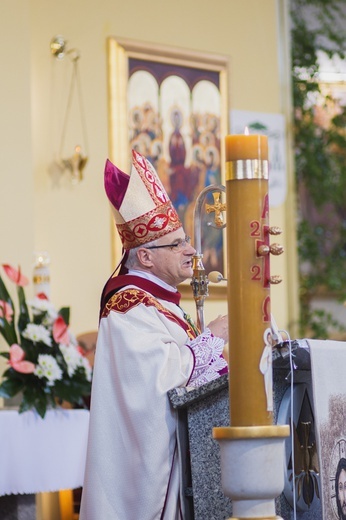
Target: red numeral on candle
column 259, row 231
column 256, row 270
column 266, row 309
column 255, row 228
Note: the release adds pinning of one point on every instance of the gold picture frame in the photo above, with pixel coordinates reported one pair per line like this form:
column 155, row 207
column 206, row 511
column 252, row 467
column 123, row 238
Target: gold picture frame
column 121, row 54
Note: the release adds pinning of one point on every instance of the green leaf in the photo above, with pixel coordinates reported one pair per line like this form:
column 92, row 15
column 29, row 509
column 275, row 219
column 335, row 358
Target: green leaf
column 24, row 317
column 11, row 387
column 7, row 329
column 65, row 313
column 41, row 407
column 4, row 295
column 8, row 332
column 25, row 405
column 72, row 391
column 34, row 396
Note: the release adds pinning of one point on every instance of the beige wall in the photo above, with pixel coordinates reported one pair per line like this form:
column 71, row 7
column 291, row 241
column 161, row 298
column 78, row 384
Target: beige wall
column 72, row 222
column 17, row 228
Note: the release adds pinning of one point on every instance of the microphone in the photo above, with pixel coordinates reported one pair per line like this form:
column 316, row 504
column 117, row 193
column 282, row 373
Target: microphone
column 216, row 277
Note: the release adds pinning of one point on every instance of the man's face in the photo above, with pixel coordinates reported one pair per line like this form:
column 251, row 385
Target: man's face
column 173, row 265
column 342, row 493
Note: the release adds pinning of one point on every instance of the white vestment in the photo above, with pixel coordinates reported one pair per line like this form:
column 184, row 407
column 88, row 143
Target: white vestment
column 132, row 467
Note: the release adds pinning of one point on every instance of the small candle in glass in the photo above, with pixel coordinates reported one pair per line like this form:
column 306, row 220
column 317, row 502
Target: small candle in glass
column 41, row 273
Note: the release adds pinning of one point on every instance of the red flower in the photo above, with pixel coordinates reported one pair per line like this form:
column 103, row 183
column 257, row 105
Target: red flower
column 42, row 296
column 17, row 362
column 60, row 331
column 6, row 311
column 15, row 275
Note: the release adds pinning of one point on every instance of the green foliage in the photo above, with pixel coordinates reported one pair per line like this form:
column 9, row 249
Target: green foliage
column 10, row 388
column 320, row 157
column 24, row 317
column 7, row 330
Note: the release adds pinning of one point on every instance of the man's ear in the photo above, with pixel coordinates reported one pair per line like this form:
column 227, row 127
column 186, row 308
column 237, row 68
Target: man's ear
column 145, row 257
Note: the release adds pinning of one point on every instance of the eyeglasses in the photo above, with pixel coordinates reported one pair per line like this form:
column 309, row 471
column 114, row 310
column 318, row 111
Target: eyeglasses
column 178, row 245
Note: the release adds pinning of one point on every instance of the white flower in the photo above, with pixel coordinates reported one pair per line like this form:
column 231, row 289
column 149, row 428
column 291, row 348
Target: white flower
column 39, row 306
column 87, row 368
column 71, row 357
column 48, row 367
column 75, row 359
column 37, row 333
column 73, row 340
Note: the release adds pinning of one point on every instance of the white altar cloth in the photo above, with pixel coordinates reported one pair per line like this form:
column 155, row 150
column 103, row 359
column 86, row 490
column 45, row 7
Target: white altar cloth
column 328, row 360
column 41, row 455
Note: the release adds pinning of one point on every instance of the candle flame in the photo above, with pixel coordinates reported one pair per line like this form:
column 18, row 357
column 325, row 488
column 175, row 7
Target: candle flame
column 246, row 131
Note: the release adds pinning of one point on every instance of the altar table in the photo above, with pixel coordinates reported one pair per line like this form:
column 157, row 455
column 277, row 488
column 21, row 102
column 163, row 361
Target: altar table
column 42, row 455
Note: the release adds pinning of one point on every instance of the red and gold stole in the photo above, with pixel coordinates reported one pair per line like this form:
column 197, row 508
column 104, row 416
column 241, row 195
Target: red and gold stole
column 118, row 300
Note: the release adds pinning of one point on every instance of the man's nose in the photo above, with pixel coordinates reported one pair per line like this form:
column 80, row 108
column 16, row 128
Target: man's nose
column 190, row 251
column 343, row 492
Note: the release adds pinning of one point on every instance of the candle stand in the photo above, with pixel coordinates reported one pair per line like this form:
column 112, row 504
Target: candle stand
column 252, row 448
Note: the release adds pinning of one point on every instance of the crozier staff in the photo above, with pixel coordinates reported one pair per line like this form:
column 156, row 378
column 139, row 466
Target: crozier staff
column 146, row 346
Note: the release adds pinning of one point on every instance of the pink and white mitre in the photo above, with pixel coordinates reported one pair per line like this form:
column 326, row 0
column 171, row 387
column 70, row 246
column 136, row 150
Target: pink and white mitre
column 142, row 209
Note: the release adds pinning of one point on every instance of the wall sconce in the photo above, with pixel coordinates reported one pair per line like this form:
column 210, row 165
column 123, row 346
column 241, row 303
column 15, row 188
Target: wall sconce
column 75, row 163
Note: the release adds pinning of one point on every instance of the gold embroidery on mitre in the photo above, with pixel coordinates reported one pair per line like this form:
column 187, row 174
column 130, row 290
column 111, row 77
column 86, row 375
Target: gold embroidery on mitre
column 150, row 226
column 150, row 179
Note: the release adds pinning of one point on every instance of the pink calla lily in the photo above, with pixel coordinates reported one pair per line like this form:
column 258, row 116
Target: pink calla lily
column 6, row 311
column 15, row 275
column 17, row 361
column 60, row 331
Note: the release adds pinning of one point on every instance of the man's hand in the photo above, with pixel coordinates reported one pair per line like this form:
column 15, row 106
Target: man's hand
column 219, row 327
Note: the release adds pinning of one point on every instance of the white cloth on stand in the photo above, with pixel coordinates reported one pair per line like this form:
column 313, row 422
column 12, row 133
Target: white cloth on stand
column 42, row 455
column 328, row 373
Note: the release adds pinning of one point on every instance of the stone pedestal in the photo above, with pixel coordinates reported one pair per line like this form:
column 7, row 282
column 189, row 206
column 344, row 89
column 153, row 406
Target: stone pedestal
column 199, row 411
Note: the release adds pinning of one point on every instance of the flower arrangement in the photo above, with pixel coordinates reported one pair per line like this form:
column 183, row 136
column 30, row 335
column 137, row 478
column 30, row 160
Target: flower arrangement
column 45, row 362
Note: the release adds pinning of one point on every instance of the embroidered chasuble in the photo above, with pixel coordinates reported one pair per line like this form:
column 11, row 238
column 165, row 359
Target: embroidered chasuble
column 146, row 346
